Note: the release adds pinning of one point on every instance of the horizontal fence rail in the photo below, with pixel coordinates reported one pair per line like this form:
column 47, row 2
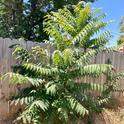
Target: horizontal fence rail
column 7, row 112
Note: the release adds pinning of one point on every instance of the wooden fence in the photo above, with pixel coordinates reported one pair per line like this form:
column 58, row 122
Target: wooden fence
column 6, row 61
column 6, row 90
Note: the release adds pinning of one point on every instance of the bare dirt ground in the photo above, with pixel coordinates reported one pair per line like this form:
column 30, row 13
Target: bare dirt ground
column 109, row 116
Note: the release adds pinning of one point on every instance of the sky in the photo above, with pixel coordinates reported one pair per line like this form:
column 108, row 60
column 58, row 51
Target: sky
column 114, row 10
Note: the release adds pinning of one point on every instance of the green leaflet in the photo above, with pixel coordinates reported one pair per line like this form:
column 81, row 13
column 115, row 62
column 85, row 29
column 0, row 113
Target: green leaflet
column 16, row 78
column 67, row 56
column 75, row 105
column 90, row 87
column 40, row 70
column 57, row 58
column 96, row 69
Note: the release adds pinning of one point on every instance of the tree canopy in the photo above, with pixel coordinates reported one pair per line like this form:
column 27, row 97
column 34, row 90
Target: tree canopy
column 121, row 38
column 24, row 18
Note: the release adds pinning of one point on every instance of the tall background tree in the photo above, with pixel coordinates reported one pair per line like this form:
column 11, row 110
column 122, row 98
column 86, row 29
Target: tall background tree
column 24, row 18
column 121, row 38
